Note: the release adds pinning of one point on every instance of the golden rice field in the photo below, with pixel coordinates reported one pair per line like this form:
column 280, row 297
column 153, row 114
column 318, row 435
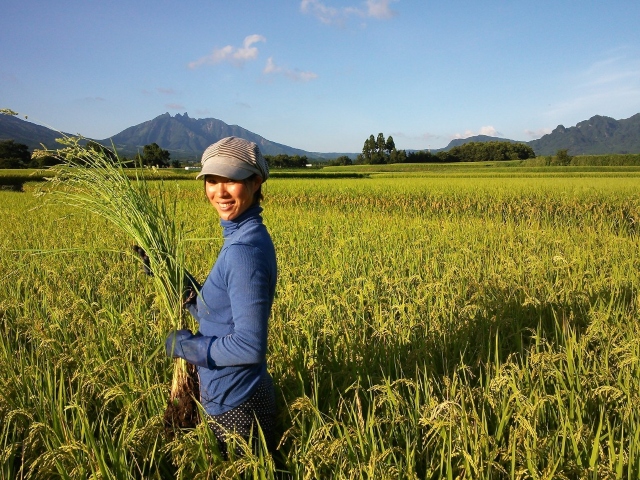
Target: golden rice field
column 479, row 325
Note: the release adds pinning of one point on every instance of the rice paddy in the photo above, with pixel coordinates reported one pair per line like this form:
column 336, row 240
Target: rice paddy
column 473, row 323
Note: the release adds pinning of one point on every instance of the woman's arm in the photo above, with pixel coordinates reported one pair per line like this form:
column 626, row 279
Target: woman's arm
column 250, row 284
column 250, row 281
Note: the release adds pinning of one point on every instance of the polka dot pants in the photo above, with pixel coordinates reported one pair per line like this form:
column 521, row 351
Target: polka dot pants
column 242, row 419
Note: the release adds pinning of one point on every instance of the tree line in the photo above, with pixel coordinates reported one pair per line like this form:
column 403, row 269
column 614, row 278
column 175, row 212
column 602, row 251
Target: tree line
column 378, row 150
column 487, row 151
column 375, row 151
column 286, row 161
column 17, row 155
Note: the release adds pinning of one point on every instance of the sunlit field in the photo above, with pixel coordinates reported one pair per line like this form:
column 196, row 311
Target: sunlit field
column 477, row 324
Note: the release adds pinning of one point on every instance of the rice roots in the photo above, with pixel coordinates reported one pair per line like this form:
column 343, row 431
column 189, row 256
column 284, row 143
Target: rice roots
column 182, row 408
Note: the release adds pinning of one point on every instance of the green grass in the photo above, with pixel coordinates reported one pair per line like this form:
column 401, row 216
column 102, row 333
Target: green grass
column 424, row 327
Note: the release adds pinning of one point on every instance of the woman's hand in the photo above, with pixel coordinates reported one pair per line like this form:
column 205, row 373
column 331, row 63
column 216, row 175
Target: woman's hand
column 193, row 348
column 145, row 259
column 173, row 343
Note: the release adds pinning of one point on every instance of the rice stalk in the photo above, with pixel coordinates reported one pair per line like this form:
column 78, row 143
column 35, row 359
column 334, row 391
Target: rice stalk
column 95, row 180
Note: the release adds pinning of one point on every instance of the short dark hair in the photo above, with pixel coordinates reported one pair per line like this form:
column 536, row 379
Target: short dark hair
column 257, row 197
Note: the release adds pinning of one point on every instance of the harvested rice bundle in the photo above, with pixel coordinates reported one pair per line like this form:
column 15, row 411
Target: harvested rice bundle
column 94, row 179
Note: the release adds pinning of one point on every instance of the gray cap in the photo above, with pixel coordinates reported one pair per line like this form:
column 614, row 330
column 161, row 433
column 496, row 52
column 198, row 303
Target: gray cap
column 234, row 158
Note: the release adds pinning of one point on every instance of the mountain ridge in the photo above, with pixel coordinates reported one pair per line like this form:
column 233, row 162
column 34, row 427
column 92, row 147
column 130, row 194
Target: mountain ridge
column 185, row 137
column 598, row 135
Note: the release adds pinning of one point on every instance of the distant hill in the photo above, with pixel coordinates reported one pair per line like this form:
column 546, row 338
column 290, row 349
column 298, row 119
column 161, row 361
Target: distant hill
column 187, row 137
column 598, row 135
column 456, row 142
column 184, row 136
column 30, row 134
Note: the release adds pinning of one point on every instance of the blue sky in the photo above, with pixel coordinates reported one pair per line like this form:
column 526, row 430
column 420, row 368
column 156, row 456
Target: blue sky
column 323, row 75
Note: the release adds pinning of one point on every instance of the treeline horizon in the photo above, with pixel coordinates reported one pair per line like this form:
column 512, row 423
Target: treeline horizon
column 376, row 151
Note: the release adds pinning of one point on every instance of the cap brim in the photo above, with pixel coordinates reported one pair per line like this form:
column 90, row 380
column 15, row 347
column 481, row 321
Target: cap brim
column 227, row 167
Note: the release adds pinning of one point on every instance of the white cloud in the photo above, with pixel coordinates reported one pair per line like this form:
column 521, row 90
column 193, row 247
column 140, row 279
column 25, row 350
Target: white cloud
column 174, row 106
column 236, row 55
column 535, row 134
column 271, row 67
column 487, row 130
column 379, row 9
column 247, row 52
column 320, row 11
column 466, row 134
column 299, row 76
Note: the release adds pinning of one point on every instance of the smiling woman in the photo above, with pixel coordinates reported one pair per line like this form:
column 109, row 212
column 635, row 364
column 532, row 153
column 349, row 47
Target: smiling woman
column 234, row 304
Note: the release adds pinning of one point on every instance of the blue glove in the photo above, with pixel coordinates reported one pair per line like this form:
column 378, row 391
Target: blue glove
column 193, row 348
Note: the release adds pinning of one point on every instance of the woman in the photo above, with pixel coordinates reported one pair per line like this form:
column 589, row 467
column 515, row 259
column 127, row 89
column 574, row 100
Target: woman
column 234, row 304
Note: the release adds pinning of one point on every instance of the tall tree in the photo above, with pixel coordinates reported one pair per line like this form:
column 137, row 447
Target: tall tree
column 14, row 155
column 381, row 143
column 96, row 147
column 389, row 145
column 153, row 155
column 369, row 149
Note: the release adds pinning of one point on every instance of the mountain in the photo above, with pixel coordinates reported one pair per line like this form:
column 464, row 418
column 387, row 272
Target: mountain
column 30, row 134
column 187, row 137
column 598, row 135
column 184, row 136
column 456, row 142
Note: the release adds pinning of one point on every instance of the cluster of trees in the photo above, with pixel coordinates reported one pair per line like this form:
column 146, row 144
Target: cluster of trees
column 376, row 151
column 340, row 161
column 475, row 152
column 14, row 155
column 17, row 155
column 154, row 156
column 286, row 161
column 486, row 151
column 562, row 158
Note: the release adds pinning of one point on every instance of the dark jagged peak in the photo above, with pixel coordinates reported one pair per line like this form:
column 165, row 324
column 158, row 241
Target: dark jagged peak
column 184, row 116
column 598, row 121
column 598, row 135
column 188, row 137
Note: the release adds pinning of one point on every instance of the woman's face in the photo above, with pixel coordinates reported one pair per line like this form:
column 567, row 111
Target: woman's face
column 231, row 198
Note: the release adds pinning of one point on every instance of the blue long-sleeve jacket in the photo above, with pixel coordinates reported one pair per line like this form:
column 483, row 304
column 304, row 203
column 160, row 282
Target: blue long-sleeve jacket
column 232, row 310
